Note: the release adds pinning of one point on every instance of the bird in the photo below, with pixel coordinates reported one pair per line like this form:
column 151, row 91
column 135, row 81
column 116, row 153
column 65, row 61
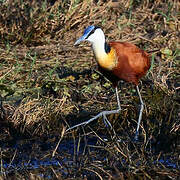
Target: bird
column 116, row 61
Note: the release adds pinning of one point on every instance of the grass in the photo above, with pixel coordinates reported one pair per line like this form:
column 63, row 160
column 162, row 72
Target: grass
column 47, row 84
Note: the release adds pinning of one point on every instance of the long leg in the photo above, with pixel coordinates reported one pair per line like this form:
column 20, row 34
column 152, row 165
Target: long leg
column 118, row 101
column 140, row 113
column 103, row 114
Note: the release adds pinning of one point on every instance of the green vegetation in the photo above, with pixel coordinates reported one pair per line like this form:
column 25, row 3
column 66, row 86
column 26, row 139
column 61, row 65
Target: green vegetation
column 47, row 85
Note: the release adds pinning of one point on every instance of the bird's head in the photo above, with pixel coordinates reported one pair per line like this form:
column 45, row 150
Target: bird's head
column 93, row 34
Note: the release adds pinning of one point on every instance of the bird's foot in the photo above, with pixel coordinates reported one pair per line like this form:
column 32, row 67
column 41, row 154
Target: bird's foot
column 103, row 114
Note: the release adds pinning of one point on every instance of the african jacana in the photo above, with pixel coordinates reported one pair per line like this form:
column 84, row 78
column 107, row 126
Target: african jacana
column 116, row 61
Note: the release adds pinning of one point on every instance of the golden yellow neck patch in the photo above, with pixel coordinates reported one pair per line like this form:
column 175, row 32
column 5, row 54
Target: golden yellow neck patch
column 107, row 61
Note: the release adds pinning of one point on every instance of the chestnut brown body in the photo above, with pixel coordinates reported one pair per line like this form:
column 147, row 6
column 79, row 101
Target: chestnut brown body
column 132, row 63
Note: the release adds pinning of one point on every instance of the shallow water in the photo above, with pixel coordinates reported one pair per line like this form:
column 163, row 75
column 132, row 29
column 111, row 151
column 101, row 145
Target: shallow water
column 32, row 154
column 35, row 155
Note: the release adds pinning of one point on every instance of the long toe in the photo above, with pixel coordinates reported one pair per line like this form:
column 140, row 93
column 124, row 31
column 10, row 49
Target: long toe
column 106, row 121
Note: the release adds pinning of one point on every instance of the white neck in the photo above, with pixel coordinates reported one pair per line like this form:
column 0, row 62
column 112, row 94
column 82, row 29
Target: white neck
column 99, row 49
column 97, row 39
